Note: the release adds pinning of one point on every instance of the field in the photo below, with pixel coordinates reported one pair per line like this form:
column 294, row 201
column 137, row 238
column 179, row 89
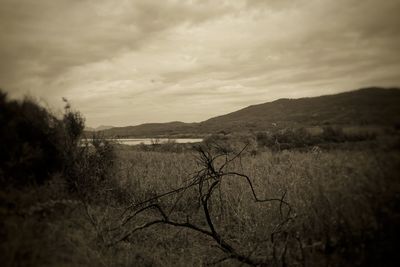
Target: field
column 334, row 207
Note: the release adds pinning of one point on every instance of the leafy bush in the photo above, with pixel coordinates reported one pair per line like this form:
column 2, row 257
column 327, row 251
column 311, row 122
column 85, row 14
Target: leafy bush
column 333, row 134
column 30, row 146
column 35, row 144
column 231, row 143
column 286, row 139
column 302, row 138
column 91, row 167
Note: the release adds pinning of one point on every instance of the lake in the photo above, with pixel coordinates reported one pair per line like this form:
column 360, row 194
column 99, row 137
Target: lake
column 149, row 141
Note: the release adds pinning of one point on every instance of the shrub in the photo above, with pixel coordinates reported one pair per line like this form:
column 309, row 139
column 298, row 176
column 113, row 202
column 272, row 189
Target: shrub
column 302, row 138
column 31, row 147
column 286, row 139
column 36, row 144
column 91, row 166
column 231, row 143
column 333, row 134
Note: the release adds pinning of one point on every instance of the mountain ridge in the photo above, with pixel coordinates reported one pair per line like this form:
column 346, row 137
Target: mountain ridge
column 99, row 128
column 365, row 106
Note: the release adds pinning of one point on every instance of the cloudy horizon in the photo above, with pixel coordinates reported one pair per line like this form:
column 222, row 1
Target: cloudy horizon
column 157, row 61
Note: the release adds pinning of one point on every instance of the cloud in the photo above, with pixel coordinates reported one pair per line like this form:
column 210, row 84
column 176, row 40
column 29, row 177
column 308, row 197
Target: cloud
column 46, row 38
column 149, row 60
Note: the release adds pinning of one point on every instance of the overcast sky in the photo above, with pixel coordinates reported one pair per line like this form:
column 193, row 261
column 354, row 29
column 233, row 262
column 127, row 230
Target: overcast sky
column 129, row 62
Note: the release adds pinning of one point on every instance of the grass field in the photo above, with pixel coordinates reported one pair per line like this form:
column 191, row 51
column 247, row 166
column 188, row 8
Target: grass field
column 342, row 211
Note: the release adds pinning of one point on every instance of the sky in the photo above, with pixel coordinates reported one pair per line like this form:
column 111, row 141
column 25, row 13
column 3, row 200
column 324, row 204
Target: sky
column 129, row 62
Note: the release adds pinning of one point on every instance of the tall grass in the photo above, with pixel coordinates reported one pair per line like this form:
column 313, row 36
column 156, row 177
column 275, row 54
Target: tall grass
column 344, row 213
column 342, row 202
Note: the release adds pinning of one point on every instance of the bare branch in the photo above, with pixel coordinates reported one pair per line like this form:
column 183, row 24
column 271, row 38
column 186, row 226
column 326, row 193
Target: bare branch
column 256, row 198
column 207, row 180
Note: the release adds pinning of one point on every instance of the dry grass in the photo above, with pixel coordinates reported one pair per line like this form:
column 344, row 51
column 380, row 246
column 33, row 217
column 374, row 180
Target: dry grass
column 345, row 209
column 337, row 198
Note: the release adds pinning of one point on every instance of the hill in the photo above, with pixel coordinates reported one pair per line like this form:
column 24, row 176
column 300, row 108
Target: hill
column 151, row 129
column 99, row 128
column 367, row 106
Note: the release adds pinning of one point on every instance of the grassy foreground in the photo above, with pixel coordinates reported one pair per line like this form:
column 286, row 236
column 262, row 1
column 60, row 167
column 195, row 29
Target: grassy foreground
column 344, row 211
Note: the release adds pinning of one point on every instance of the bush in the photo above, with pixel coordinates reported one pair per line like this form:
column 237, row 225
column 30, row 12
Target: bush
column 36, row 144
column 286, row 139
column 31, row 147
column 231, row 143
column 91, row 167
column 302, row 138
column 333, row 134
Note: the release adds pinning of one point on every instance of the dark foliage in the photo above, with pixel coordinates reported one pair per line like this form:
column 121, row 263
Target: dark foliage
column 30, row 148
column 286, row 139
column 301, row 138
column 35, row 145
column 90, row 167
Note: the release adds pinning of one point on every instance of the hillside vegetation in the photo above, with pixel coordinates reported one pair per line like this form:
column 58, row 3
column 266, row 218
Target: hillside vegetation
column 368, row 106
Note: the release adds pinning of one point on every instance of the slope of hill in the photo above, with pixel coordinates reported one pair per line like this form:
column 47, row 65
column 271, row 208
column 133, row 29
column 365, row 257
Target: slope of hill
column 99, row 128
column 103, row 127
column 151, row 129
column 368, row 106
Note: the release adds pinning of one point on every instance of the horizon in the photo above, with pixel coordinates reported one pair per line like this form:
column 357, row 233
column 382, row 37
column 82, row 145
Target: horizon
column 154, row 62
column 175, row 121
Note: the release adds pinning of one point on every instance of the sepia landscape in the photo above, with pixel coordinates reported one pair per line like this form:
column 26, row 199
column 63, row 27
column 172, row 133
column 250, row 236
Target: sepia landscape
column 197, row 133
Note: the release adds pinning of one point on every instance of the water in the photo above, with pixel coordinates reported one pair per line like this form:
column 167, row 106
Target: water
column 149, row 141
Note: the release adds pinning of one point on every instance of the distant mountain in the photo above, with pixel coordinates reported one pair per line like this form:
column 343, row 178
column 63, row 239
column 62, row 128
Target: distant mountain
column 151, row 129
column 367, row 106
column 103, row 127
column 374, row 105
column 99, row 128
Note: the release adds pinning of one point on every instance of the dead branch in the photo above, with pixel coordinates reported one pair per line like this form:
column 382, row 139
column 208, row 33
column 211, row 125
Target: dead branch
column 207, row 180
